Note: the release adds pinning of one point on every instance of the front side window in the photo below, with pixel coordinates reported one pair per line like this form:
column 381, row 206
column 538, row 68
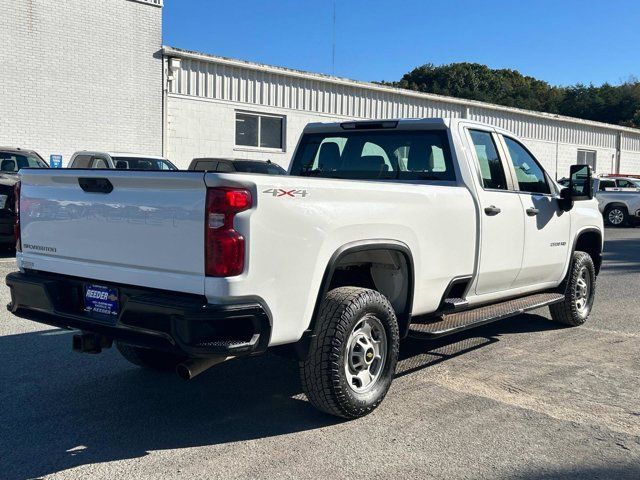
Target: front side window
column 255, row 130
column 375, row 155
column 491, row 169
column 529, row 173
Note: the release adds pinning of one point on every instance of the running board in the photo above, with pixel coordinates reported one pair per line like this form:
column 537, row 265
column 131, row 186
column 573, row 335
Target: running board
column 450, row 323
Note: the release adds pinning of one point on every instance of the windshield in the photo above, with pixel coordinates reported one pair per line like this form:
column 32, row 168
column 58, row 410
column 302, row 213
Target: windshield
column 375, row 154
column 11, row 162
column 137, row 163
column 259, row 167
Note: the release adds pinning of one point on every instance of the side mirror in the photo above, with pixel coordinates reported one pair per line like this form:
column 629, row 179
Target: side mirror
column 580, row 187
column 580, row 183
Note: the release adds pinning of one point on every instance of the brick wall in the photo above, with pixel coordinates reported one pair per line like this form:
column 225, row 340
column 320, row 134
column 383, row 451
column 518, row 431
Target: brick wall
column 81, row 74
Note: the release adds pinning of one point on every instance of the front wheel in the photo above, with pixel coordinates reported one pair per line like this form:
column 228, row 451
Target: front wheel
column 352, row 360
column 579, row 290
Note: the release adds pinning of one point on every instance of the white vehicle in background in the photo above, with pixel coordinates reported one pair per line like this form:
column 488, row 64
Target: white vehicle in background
column 382, row 229
column 119, row 161
column 618, row 199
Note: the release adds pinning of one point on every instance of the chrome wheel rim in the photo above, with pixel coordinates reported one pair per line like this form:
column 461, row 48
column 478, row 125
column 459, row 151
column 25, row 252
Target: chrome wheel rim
column 616, row 216
column 365, row 354
column 582, row 291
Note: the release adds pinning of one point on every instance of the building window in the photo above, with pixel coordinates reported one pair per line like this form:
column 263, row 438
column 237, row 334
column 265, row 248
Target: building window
column 258, row 130
column 587, row 157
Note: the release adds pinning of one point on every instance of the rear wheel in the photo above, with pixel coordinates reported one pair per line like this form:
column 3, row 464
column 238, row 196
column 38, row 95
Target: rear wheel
column 616, row 216
column 148, row 358
column 579, row 290
column 352, row 360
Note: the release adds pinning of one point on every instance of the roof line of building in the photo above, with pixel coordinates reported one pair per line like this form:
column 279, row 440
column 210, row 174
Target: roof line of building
column 188, row 54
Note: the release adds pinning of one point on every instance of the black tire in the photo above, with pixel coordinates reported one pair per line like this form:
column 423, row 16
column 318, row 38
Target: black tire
column 616, row 216
column 568, row 312
column 324, row 372
column 148, row 358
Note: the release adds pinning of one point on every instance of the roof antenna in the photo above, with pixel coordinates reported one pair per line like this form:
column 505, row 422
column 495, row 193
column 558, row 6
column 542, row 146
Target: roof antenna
column 333, row 44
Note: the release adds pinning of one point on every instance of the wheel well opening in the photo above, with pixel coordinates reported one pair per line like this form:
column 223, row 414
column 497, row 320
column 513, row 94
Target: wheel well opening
column 615, row 204
column 591, row 243
column 387, row 271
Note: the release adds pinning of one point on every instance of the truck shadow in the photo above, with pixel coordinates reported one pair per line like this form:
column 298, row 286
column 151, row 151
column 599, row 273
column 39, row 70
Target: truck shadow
column 60, row 409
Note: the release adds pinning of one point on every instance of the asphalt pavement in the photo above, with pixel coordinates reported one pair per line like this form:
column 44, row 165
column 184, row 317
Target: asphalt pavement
column 520, row 399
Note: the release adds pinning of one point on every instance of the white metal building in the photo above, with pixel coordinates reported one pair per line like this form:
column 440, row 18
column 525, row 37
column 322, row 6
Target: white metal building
column 92, row 74
column 223, row 107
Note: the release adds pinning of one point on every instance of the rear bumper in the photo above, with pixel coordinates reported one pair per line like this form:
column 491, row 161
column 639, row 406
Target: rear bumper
column 148, row 318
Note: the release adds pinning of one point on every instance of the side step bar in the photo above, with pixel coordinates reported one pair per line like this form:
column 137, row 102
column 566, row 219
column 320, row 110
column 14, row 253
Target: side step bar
column 450, row 323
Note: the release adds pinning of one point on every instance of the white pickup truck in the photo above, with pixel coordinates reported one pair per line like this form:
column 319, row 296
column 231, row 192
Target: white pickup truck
column 381, row 229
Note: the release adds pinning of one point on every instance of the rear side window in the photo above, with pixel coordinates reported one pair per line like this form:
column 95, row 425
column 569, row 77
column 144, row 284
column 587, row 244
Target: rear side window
column 529, row 173
column 376, row 155
column 81, row 161
column 491, row 168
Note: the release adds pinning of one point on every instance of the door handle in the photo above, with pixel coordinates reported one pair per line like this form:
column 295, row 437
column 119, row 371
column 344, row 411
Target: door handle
column 532, row 212
column 492, row 210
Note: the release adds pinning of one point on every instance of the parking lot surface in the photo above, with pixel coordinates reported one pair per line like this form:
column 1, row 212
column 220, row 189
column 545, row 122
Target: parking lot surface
column 523, row 398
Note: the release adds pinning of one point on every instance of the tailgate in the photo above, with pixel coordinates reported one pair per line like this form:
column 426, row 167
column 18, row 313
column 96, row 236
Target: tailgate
column 148, row 230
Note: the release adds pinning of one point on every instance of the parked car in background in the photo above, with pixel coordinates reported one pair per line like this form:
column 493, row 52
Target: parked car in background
column 618, row 199
column 619, row 205
column 236, row 165
column 11, row 161
column 119, row 161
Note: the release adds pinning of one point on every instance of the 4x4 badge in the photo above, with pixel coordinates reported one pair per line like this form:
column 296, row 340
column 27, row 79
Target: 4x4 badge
column 281, row 192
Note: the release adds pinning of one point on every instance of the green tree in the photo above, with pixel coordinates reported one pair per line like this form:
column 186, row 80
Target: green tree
column 617, row 104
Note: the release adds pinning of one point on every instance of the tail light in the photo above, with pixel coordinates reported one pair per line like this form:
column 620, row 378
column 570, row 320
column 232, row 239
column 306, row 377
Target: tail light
column 224, row 248
column 16, row 221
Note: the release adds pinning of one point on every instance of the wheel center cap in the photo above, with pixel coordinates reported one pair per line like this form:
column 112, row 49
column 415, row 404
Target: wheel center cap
column 369, row 356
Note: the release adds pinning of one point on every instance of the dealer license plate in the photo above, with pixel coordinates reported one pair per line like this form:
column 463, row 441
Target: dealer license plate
column 101, row 301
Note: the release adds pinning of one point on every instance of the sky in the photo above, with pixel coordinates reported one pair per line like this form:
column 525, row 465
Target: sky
column 561, row 41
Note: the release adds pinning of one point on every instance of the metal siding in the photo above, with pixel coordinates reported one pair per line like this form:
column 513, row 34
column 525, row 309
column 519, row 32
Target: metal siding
column 218, row 81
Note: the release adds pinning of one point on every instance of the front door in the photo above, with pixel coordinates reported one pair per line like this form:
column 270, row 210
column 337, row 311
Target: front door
column 547, row 227
column 501, row 220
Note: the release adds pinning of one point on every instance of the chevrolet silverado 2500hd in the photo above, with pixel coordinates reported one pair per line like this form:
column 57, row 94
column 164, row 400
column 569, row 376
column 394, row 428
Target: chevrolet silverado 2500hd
column 381, row 229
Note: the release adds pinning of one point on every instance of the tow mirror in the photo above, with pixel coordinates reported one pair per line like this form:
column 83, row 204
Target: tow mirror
column 580, row 183
column 580, row 186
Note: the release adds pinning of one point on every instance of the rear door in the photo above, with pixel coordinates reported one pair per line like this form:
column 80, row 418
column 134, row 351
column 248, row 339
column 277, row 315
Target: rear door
column 501, row 221
column 546, row 225
column 143, row 228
